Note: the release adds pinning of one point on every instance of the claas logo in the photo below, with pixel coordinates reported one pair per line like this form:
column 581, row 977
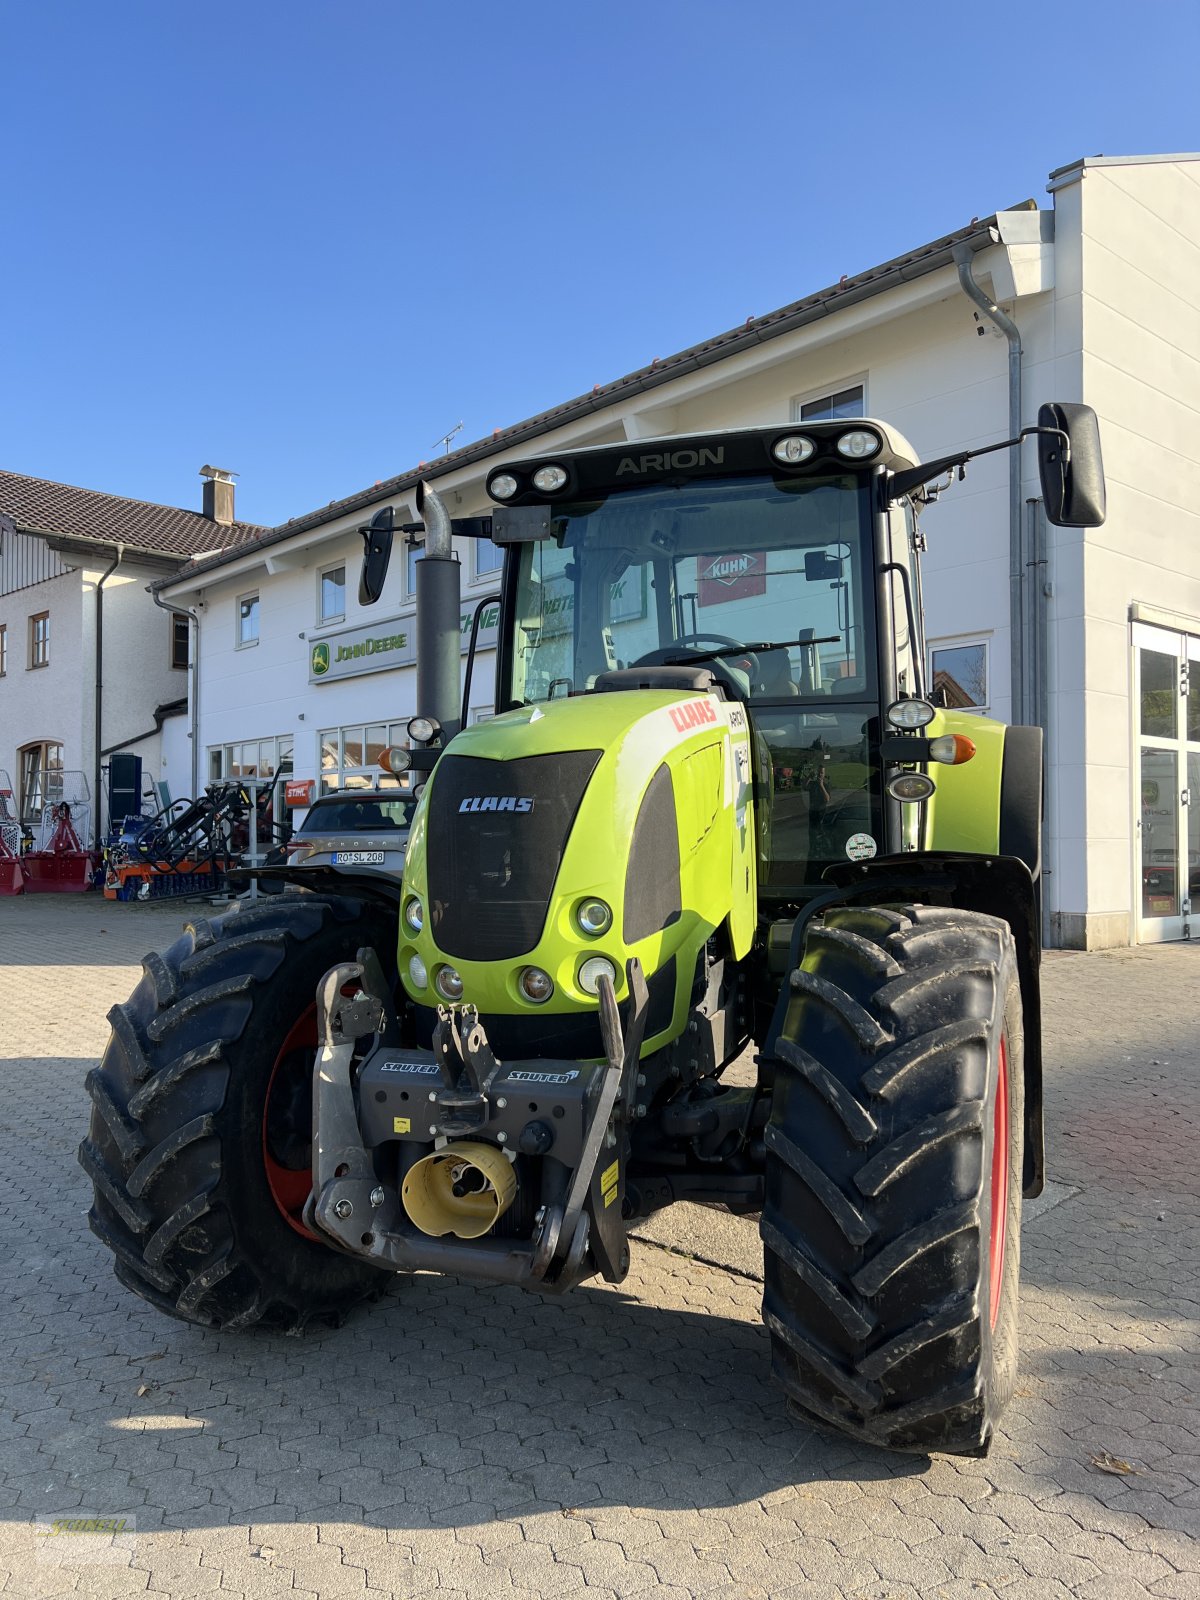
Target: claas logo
column 496, row 802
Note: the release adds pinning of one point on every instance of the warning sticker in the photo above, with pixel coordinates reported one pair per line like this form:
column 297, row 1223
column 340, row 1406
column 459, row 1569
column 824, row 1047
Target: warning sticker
column 860, row 847
column 608, row 1182
column 401, row 1124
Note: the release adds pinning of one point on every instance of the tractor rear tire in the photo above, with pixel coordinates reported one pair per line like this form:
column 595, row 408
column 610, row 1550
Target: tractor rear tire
column 891, row 1223
column 199, row 1149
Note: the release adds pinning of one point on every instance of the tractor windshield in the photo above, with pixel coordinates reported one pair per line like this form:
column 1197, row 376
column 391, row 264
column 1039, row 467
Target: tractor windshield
column 715, row 570
column 712, row 568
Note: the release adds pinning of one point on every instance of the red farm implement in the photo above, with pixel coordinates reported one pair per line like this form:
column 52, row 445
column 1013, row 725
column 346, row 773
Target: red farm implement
column 12, row 879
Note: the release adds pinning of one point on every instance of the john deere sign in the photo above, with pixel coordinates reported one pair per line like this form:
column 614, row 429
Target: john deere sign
column 380, row 646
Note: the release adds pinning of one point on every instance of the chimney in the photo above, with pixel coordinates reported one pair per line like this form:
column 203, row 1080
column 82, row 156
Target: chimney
column 218, row 494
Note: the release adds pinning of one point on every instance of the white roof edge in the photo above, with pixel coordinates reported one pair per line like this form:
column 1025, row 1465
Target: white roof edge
column 1062, row 176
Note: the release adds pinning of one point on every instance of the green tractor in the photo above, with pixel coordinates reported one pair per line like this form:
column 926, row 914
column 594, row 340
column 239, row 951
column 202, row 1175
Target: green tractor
column 719, row 810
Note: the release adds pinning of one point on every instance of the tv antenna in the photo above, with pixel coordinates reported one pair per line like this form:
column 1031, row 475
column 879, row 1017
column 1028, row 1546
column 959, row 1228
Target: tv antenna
column 446, row 438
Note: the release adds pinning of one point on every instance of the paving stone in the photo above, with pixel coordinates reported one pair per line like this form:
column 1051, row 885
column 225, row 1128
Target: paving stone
column 475, row 1442
column 1178, row 1586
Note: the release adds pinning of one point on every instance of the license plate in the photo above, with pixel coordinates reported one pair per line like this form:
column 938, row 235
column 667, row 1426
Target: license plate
column 358, row 858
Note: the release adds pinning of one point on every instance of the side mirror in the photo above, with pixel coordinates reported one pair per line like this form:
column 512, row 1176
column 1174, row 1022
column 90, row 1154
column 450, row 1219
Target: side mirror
column 820, row 565
column 377, row 552
column 1072, row 482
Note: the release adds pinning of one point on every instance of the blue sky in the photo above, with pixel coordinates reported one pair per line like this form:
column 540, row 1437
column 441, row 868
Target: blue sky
column 302, row 241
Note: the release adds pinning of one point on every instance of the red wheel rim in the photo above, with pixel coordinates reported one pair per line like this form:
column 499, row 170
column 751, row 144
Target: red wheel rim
column 999, row 1185
column 290, row 1186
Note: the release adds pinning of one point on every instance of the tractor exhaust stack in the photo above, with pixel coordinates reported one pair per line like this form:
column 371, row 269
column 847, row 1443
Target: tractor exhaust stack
column 439, row 624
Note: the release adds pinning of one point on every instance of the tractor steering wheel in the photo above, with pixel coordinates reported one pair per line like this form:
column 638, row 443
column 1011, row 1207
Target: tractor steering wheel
column 705, row 642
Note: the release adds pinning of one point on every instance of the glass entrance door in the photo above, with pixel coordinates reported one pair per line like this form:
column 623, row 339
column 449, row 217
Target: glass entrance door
column 1167, row 691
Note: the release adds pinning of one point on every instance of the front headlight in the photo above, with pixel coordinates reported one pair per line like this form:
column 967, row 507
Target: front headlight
column 448, row 983
column 536, row 985
column 414, row 915
column 593, row 916
column 592, row 970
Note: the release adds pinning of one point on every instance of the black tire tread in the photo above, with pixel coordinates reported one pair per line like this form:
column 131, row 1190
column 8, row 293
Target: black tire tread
column 170, row 1076
column 126, row 1134
column 165, row 1151
column 160, row 1098
column 840, row 1208
column 850, row 1111
column 874, row 1225
column 903, row 1153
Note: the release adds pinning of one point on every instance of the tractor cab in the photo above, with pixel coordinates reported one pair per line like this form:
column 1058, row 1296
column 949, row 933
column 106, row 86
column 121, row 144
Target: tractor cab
column 770, row 561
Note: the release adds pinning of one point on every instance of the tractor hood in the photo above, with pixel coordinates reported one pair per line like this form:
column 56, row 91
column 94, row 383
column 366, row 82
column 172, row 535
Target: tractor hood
column 638, row 799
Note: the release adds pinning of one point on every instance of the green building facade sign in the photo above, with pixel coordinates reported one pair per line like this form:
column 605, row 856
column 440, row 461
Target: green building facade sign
column 380, row 646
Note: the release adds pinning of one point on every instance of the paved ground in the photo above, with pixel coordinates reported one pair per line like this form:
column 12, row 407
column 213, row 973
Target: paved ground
column 621, row 1442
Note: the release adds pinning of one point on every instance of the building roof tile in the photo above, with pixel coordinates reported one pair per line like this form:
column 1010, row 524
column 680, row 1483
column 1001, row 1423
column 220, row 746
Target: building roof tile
column 38, row 505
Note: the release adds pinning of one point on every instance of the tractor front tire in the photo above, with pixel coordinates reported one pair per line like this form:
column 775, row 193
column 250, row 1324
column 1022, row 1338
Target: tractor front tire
column 199, row 1149
column 891, row 1225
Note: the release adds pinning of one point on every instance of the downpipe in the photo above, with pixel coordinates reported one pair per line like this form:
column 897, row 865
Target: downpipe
column 1022, row 711
column 118, row 553
column 194, row 673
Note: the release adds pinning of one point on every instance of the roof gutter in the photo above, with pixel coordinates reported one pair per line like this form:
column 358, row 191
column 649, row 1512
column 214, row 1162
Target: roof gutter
column 160, row 716
column 64, row 544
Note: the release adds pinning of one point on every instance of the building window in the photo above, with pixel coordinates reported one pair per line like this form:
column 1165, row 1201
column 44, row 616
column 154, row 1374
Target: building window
column 251, row 758
column 39, row 639
column 180, row 641
column 331, row 596
column 41, row 778
column 958, row 674
column 3, row 650
column 489, row 558
column 247, row 615
column 414, row 554
column 831, row 407
column 350, row 756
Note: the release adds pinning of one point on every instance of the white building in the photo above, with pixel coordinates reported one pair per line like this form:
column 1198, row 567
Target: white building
column 89, row 663
column 1094, row 297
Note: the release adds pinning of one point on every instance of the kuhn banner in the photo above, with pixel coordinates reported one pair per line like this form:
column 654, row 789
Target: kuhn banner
column 739, row 576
